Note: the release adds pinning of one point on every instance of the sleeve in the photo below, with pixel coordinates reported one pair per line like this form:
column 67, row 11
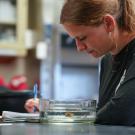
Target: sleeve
column 120, row 110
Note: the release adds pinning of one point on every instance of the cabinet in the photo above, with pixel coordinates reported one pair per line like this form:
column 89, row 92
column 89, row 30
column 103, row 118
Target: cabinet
column 13, row 25
column 15, row 58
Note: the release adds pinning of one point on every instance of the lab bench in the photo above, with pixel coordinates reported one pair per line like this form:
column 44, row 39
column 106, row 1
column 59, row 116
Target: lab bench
column 63, row 129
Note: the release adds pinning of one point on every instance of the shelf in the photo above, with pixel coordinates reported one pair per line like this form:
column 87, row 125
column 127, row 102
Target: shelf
column 12, row 52
column 13, row 27
column 7, row 23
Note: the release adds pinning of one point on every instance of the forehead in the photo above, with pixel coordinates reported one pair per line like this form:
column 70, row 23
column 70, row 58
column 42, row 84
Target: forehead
column 76, row 30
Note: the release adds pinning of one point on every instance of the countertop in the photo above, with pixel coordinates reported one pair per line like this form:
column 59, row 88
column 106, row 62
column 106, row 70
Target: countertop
column 63, row 129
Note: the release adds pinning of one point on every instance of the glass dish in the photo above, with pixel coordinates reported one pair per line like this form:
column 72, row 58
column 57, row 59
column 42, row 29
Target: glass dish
column 67, row 111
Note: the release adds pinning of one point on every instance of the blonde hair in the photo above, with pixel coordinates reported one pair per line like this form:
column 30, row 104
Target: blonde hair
column 91, row 12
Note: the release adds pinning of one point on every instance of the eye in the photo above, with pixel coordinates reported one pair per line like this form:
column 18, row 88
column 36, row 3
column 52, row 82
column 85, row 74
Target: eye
column 82, row 38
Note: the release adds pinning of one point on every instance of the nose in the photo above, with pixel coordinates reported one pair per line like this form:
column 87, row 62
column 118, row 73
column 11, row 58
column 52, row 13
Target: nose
column 80, row 46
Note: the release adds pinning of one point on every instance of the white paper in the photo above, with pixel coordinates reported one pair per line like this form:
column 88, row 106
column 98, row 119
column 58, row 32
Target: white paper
column 8, row 116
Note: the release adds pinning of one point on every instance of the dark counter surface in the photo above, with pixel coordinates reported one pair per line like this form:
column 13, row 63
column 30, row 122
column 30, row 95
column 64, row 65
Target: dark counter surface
column 63, row 129
column 13, row 100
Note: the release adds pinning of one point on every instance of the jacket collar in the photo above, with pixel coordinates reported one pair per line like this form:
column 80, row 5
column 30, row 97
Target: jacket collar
column 120, row 61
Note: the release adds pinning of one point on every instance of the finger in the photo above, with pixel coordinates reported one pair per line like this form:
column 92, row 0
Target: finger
column 29, row 105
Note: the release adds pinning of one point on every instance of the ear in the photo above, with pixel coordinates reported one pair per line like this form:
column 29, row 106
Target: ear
column 109, row 23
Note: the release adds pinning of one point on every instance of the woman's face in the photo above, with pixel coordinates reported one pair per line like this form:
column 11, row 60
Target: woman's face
column 93, row 40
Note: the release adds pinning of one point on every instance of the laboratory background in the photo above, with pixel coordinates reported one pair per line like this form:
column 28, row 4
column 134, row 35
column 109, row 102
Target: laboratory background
column 34, row 48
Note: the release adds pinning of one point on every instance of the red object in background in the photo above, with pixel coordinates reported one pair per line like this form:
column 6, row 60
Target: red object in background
column 2, row 82
column 18, row 82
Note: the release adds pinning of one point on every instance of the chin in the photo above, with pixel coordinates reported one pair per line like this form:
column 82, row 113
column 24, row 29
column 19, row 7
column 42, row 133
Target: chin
column 95, row 55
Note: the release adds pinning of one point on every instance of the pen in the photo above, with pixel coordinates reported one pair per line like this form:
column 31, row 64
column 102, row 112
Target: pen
column 35, row 92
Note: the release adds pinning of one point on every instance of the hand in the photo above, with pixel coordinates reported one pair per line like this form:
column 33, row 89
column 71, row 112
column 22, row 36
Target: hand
column 30, row 104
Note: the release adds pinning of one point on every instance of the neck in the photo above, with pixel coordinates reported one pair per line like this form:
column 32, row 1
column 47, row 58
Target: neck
column 122, row 42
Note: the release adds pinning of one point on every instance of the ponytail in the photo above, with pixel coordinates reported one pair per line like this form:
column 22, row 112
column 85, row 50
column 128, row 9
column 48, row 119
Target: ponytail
column 126, row 17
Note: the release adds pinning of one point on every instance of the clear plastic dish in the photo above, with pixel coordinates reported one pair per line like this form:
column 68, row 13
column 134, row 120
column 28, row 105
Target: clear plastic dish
column 67, row 111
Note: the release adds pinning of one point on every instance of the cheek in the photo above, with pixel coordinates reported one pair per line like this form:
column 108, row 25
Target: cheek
column 94, row 43
column 105, row 41
column 94, row 39
column 100, row 44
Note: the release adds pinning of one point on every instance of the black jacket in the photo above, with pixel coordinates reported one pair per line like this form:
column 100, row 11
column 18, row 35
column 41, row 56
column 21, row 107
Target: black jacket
column 117, row 88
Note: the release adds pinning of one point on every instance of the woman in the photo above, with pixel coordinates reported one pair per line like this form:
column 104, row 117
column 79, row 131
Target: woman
column 107, row 28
